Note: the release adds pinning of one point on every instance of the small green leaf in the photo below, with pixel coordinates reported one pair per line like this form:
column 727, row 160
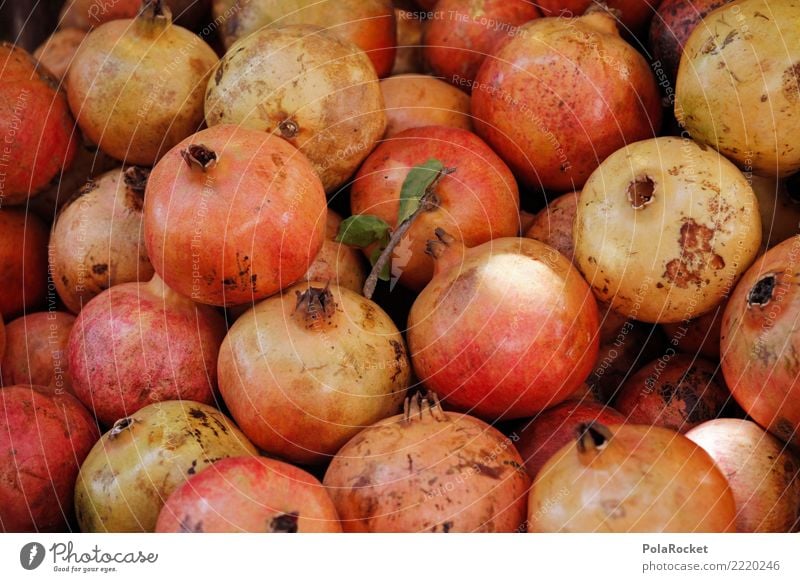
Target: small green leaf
column 416, row 183
column 386, row 272
column 362, row 230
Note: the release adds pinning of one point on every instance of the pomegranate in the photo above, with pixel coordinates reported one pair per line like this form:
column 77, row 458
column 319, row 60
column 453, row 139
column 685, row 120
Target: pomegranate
column 477, row 202
column 136, row 86
column 257, row 228
column 2, row 337
column 408, row 58
column 420, row 100
column 428, row 470
column 140, row 343
column 751, row 62
column 676, row 391
column 23, row 261
column 44, row 437
column 561, row 96
column 545, row 434
column 762, row 473
column 318, row 92
column 250, row 494
column 133, row 469
column 335, row 364
column 699, row 336
column 505, row 329
column 36, row 128
column 760, row 339
column 633, row 14
column 86, row 14
column 670, row 29
column 553, row 224
column 106, row 217
column 630, row 478
column 654, row 244
column 368, row 24
column 58, row 51
column 37, row 351
column 456, row 41
column 337, row 263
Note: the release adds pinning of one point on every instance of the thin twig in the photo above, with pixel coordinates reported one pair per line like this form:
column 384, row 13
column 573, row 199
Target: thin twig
column 427, row 201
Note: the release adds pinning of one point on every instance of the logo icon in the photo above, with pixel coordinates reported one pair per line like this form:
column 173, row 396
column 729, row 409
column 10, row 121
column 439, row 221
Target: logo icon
column 31, row 555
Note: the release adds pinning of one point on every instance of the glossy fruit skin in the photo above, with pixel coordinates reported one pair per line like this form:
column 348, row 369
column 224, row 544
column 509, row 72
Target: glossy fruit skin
column 36, row 127
column 420, row 100
column 635, row 13
column 762, row 472
column 250, row 494
column 300, row 383
column 23, row 261
column 134, row 467
column 549, row 431
column 337, row 263
column 477, row 203
column 136, row 86
column 57, row 52
column 442, row 473
column 504, row 330
column 44, row 437
column 140, row 343
column 37, row 350
column 457, row 40
column 318, row 92
column 656, row 246
column 671, row 27
column 369, row 24
column 260, row 228
column 640, row 479
column 760, row 341
column 554, row 123
column 751, row 117
column 677, row 391
column 106, row 217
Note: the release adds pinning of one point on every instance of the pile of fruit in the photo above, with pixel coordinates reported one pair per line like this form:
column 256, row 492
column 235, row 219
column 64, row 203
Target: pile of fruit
column 362, row 265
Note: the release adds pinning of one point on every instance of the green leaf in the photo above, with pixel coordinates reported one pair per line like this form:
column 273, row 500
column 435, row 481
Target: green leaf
column 361, row 230
column 386, row 272
column 415, row 185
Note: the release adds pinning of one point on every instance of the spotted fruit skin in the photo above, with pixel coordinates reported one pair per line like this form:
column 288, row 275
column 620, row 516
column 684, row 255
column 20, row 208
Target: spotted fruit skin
column 505, row 330
column 250, row 494
column 760, row 341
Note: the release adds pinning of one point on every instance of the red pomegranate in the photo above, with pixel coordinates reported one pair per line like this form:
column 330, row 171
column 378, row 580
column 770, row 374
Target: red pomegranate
column 677, row 391
column 630, row 478
column 23, row 261
column 477, row 202
column 140, row 343
column 670, row 29
column 634, row 14
column 505, row 329
column 428, row 470
column 546, row 433
column 335, row 363
column 37, row 350
column 36, row 127
column 561, row 96
column 337, row 263
column 249, row 494
column 456, row 41
column 760, row 341
column 44, row 437
column 233, row 215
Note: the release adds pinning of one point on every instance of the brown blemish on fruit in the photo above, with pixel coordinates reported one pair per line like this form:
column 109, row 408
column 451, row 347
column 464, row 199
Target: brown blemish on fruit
column 761, row 293
column 696, row 253
column 641, row 192
column 100, row 269
column 791, row 83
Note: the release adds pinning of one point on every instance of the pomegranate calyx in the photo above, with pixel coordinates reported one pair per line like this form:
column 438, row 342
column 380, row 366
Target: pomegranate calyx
column 436, row 247
column 592, row 437
column 315, row 305
column 199, row 156
column 121, row 425
column 152, row 9
column 135, row 178
column 420, row 407
column 285, row 522
column 762, row 292
column 288, row 128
